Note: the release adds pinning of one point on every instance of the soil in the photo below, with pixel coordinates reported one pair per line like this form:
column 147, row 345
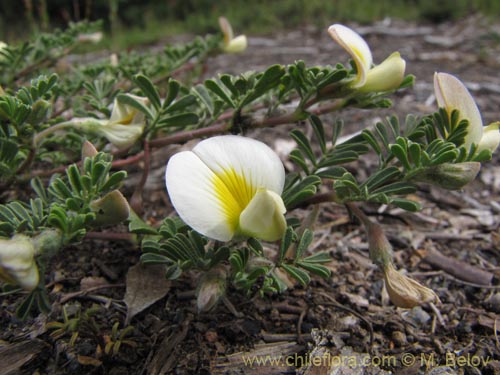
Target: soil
column 451, row 246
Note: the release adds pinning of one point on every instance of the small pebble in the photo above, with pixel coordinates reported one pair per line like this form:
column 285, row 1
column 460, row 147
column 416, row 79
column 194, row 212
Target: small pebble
column 493, row 303
column 399, row 339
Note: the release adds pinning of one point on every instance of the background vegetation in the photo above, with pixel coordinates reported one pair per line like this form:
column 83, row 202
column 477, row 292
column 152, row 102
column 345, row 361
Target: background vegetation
column 149, row 20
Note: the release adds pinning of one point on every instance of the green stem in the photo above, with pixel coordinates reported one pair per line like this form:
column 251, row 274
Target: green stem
column 48, row 131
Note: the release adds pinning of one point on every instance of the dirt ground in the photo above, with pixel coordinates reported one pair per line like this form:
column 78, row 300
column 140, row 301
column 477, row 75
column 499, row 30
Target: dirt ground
column 451, row 246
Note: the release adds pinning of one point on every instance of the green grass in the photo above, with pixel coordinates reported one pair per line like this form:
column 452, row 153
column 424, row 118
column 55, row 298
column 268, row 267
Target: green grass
column 263, row 17
column 146, row 22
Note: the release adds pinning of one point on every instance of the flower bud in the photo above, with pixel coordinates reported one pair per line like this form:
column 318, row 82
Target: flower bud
column 378, row 244
column 404, row 291
column 211, row 289
column 88, row 150
column 17, row 262
column 111, row 209
column 93, row 38
column 447, row 175
column 39, row 112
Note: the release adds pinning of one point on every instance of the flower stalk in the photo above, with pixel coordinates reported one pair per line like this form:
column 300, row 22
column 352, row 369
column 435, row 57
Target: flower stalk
column 403, row 291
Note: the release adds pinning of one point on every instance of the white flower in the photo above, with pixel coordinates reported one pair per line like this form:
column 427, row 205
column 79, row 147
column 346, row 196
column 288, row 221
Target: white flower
column 452, row 94
column 229, row 186
column 17, row 262
column 231, row 44
column 94, row 38
column 3, row 45
column 383, row 77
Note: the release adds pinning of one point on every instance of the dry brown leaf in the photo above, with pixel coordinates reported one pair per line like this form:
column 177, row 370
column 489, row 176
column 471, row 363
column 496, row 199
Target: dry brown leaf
column 88, row 361
column 145, row 286
column 92, row 281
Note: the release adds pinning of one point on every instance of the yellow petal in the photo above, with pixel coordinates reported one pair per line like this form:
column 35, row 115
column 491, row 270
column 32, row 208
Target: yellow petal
column 264, row 217
column 491, row 137
column 386, row 76
column 238, row 44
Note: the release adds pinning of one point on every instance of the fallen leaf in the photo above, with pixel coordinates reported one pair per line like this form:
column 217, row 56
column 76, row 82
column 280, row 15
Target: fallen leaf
column 88, row 361
column 92, row 281
column 14, row 356
column 145, row 286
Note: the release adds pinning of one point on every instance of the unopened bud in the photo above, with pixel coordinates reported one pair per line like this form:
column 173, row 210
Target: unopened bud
column 94, row 37
column 39, row 112
column 211, row 289
column 449, row 176
column 379, row 246
column 111, row 209
column 88, row 150
column 404, row 291
column 17, row 262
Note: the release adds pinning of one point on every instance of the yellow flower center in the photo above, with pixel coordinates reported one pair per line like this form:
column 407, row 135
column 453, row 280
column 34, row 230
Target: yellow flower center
column 361, row 63
column 128, row 119
column 234, row 192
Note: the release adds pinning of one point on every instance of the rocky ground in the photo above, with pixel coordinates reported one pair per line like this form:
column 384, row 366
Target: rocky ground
column 452, row 246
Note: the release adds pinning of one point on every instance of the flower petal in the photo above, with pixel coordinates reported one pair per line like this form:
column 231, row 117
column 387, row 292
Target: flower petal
column 226, row 29
column 357, row 47
column 121, row 136
column 235, row 45
column 264, row 216
column 386, row 76
column 452, row 94
column 17, row 262
column 190, row 185
column 126, row 114
column 491, row 137
column 250, row 159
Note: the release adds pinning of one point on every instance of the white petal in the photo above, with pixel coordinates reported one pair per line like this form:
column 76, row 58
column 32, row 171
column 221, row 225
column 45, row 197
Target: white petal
column 491, row 138
column 125, row 114
column 264, row 216
column 121, row 135
column 356, row 46
column 190, row 187
column 17, row 263
column 250, row 159
column 452, row 94
column 28, row 279
column 226, row 29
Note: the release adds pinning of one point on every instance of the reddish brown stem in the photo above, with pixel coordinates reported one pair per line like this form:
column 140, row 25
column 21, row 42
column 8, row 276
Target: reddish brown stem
column 188, row 135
